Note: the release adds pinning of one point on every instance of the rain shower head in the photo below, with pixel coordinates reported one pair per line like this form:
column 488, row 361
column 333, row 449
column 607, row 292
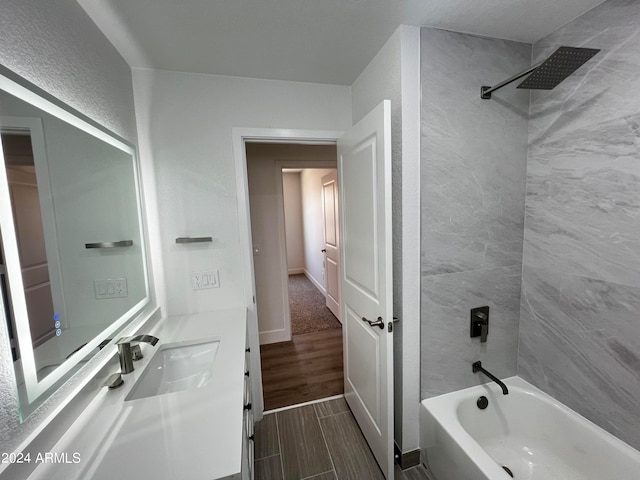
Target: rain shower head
column 548, row 74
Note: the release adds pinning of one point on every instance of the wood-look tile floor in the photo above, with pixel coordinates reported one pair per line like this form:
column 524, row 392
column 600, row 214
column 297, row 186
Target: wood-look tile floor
column 317, row 442
column 309, row 367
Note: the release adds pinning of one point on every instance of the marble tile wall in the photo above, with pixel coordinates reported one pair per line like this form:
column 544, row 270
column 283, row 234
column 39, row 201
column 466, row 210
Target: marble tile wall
column 473, row 161
column 579, row 316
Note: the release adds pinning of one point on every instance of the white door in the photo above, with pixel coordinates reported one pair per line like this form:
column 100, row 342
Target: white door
column 331, row 242
column 364, row 164
column 25, row 203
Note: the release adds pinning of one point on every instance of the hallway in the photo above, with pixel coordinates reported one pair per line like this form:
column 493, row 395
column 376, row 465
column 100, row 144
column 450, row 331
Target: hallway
column 309, row 312
column 309, row 367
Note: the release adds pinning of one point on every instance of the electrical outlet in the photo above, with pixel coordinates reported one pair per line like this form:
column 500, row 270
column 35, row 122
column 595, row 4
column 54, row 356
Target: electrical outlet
column 204, row 280
column 110, row 288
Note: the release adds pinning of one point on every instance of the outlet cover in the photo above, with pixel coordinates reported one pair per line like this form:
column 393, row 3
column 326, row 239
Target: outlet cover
column 204, row 280
column 110, row 288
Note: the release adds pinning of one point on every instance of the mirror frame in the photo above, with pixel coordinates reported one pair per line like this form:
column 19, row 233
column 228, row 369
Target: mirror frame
column 29, row 93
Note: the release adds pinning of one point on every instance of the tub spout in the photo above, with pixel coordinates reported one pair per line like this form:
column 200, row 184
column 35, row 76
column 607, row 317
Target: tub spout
column 477, row 367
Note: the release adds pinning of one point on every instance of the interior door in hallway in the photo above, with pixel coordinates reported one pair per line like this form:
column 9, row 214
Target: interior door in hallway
column 364, row 169
column 331, row 242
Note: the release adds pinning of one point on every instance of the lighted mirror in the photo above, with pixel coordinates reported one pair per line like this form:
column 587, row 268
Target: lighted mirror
column 72, row 266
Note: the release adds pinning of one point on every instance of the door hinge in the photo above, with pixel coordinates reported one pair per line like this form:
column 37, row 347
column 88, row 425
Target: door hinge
column 390, row 327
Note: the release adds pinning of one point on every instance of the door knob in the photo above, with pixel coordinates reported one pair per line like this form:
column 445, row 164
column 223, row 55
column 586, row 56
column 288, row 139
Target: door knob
column 324, row 250
column 377, row 323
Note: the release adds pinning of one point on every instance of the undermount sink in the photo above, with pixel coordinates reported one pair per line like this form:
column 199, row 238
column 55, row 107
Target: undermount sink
column 176, row 367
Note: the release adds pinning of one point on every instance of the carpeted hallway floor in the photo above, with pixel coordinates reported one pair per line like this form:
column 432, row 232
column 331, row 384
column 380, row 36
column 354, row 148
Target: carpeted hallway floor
column 309, row 312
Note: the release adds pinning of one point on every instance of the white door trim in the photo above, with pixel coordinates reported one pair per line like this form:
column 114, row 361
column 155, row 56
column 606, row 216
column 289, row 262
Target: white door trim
column 241, row 135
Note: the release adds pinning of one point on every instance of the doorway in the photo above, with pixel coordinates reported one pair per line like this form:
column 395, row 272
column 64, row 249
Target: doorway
column 30, row 233
column 311, row 233
column 364, row 164
column 300, row 337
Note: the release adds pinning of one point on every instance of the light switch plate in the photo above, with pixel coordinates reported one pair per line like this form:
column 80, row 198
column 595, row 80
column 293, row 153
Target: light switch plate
column 110, row 288
column 204, row 280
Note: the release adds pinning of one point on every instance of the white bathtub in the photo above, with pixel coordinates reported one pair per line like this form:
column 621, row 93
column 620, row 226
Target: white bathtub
column 532, row 434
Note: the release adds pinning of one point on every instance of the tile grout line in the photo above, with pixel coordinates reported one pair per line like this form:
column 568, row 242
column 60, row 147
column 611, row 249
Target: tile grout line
column 326, row 444
column 268, row 456
column 280, row 447
column 333, row 414
column 318, row 474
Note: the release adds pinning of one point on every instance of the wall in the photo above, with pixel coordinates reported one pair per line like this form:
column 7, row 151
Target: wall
column 579, row 336
column 292, row 194
column 394, row 74
column 56, row 46
column 313, row 225
column 189, row 120
column 473, row 155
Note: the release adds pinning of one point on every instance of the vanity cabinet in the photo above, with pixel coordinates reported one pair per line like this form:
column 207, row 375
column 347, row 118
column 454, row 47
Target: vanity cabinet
column 248, row 422
column 201, row 433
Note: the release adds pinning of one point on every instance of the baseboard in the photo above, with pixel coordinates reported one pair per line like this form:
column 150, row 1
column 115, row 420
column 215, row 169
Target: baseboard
column 273, row 336
column 315, row 282
column 407, row 459
column 295, row 271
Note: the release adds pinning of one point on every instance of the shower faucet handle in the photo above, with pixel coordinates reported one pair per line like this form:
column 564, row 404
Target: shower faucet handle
column 480, row 323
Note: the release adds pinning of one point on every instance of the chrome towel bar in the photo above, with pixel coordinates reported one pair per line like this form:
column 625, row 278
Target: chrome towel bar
column 120, row 244
column 193, row 239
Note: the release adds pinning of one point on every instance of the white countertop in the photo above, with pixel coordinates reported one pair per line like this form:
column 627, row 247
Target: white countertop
column 192, row 434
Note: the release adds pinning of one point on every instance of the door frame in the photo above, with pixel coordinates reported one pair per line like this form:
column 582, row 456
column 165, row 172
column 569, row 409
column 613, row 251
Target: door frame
column 241, row 136
column 33, row 127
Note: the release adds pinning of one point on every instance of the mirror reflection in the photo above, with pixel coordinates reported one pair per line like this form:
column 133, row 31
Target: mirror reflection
column 72, row 263
column 27, row 217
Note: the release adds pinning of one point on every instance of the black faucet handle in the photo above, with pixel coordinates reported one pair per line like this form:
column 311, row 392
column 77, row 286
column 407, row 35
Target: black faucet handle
column 480, row 323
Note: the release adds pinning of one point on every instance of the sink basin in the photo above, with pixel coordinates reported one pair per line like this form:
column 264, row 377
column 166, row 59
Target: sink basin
column 176, row 367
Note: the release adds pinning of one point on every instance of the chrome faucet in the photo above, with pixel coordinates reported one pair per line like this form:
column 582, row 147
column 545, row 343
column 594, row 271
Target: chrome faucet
column 126, row 351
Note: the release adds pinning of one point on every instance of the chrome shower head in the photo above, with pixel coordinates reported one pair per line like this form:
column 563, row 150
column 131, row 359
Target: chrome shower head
column 562, row 63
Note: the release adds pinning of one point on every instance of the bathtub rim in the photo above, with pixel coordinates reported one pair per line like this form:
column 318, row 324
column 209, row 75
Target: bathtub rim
column 444, row 412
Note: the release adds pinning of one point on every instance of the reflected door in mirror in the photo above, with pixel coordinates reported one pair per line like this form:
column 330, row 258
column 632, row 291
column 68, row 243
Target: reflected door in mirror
column 25, row 203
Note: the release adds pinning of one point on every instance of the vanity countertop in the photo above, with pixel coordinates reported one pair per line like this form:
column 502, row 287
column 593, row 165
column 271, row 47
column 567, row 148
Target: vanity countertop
column 193, row 434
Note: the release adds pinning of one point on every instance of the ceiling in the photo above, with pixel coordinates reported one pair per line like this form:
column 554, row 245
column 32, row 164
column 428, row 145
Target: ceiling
column 320, row 41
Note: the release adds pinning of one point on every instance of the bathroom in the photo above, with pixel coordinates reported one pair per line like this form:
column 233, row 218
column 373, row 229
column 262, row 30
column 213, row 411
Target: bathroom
column 525, row 215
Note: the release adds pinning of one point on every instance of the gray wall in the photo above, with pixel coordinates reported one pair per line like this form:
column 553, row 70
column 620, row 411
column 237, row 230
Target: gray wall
column 579, row 323
column 55, row 45
column 473, row 159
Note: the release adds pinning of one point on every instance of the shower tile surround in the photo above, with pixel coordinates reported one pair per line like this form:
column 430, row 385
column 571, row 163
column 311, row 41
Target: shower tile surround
column 579, row 318
column 564, row 296
column 473, row 162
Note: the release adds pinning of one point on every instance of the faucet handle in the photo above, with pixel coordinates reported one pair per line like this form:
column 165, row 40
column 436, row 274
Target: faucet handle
column 480, row 323
column 136, row 352
column 114, row 381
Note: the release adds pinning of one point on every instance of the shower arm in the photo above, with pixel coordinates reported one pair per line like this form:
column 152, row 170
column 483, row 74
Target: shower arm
column 485, row 92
